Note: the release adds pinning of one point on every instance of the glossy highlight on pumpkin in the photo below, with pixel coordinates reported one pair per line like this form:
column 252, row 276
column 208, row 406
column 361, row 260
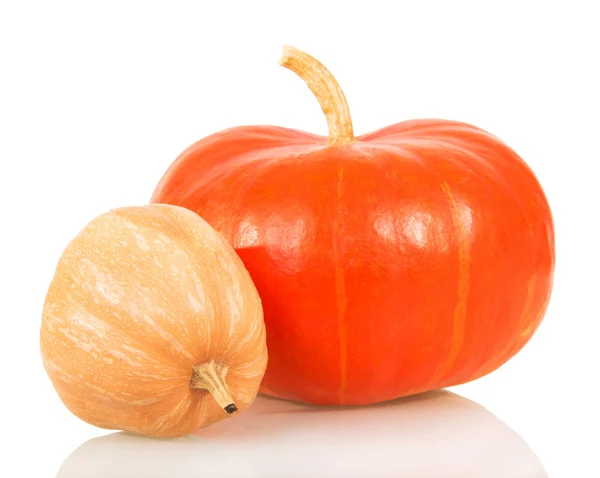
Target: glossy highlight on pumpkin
column 152, row 324
column 411, row 258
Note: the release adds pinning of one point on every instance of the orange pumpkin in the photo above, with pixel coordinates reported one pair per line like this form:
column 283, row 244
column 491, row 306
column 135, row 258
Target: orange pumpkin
column 152, row 324
column 411, row 258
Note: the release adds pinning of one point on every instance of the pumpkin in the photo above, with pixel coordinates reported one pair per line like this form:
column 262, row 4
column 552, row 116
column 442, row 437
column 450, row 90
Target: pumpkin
column 411, row 258
column 152, row 324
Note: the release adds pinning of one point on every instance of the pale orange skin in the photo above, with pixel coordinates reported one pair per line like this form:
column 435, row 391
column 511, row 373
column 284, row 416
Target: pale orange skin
column 139, row 297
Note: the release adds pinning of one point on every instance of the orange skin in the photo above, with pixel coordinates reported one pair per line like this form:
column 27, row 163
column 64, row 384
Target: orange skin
column 408, row 259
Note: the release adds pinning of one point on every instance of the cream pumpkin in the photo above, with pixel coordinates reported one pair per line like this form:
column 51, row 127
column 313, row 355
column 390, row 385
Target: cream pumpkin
column 152, row 324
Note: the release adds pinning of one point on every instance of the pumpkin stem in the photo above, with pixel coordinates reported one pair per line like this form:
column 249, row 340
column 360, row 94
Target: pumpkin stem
column 326, row 89
column 211, row 376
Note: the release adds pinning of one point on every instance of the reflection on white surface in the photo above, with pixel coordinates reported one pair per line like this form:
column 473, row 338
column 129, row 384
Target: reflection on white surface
column 433, row 435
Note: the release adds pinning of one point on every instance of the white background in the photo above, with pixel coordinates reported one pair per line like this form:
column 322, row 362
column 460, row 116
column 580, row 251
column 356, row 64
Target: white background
column 97, row 98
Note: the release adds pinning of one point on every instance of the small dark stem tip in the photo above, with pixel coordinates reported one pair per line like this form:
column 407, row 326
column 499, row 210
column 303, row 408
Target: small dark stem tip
column 231, row 408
